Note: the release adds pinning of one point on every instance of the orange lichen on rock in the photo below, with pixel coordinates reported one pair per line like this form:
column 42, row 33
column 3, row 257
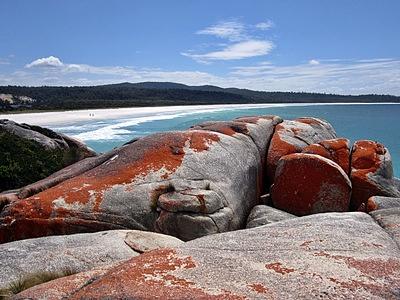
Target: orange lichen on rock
column 277, row 149
column 259, row 288
column 337, row 150
column 368, row 267
column 85, row 193
column 371, row 205
column 149, row 276
column 278, row 268
column 308, row 183
column 293, row 136
column 371, row 172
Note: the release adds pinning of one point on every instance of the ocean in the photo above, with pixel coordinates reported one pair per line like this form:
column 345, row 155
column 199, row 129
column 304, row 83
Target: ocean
column 105, row 129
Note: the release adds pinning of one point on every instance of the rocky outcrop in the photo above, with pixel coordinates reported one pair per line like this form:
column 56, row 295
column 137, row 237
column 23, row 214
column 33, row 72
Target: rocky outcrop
column 371, row 173
column 197, row 183
column 262, row 215
column 379, row 202
column 76, row 253
column 307, row 184
column 332, row 255
column 389, row 219
column 293, row 136
column 30, row 153
column 337, row 150
column 187, row 184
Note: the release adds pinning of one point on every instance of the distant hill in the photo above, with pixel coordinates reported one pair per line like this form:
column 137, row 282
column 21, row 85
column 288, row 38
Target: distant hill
column 157, row 94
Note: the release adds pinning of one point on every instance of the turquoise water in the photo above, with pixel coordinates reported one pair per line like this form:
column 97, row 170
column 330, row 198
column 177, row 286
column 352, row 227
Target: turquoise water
column 379, row 122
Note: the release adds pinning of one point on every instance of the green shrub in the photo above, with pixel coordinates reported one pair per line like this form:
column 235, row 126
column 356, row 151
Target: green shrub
column 23, row 161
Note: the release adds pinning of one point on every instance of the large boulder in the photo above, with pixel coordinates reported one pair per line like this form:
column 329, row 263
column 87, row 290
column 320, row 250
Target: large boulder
column 187, row 184
column 337, row 150
column 371, row 173
column 293, row 136
column 262, row 215
column 259, row 128
column 332, row 256
column 75, row 253
column 307, row 184
column 30, row 153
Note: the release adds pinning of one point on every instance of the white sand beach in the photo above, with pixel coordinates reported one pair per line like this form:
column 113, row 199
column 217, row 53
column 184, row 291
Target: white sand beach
column 146, row 113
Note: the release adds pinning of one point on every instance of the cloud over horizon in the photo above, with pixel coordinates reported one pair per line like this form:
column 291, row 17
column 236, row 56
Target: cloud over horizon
column 51, row 61
column 342, row 76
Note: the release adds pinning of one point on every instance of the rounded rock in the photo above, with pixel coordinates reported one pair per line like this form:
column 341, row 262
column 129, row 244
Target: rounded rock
column 307, row 184
column 371, row 172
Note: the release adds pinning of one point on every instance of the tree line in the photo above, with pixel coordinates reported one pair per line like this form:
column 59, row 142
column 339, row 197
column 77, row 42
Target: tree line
column 148, row 94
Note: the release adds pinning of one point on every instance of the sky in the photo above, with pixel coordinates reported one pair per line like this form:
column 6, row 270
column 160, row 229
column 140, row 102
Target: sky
column 341, row 46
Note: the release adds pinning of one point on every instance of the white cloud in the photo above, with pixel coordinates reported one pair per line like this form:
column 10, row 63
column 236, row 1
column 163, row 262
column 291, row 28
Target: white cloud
column 241, row 50
column 234, row 31
column 242, row 42
column 46, row 62
column 264, row 25
column 313, row 62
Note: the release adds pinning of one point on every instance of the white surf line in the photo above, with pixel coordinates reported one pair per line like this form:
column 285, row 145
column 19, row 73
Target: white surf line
column 88, row 115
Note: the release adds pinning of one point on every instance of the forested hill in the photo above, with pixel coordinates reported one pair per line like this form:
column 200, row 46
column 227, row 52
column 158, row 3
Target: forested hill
column 156, row 94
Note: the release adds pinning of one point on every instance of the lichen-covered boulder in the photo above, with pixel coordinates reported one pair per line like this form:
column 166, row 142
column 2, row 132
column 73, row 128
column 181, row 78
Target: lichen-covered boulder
column 187, row 184
column 262, row 215
column 371, row 173
column 30, row 153
column 76, row 252
column 332, row 256
column 293, row 136
column 307, row 184
column 337, row 150
column 259, row 128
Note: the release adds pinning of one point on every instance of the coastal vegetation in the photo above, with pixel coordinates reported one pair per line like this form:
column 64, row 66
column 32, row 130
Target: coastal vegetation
column 20, row 155
column 156, row 94
column 31, row 280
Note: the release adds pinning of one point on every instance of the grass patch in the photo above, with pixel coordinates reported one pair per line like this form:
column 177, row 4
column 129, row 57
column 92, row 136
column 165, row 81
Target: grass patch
column 30, row 280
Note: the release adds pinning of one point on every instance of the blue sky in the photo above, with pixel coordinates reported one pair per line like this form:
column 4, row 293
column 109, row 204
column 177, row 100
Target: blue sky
column 341, row 46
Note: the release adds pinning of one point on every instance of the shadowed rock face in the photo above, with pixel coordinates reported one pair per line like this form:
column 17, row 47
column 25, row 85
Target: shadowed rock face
column 293, row 136
column 332, row 255
column 307, row 184
column 187, row 184
column 371, row 173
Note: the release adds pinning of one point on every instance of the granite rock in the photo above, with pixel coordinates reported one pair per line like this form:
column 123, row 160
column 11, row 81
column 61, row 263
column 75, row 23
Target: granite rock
column 262, row 215
column 308, row 183
column 329, row 256
column 371, row 173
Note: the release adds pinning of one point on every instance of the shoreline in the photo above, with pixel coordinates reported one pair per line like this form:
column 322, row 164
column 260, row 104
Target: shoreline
column 71, row 116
